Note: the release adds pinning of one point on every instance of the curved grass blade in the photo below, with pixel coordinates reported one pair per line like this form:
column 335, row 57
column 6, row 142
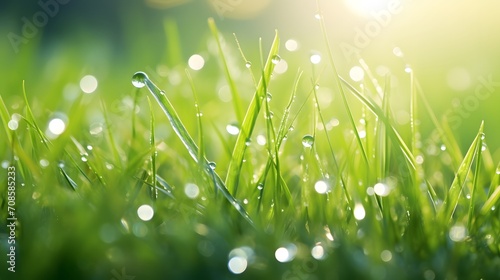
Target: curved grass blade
column 140, row 79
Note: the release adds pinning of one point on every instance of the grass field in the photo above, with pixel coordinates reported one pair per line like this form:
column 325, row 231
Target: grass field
column 244, row 161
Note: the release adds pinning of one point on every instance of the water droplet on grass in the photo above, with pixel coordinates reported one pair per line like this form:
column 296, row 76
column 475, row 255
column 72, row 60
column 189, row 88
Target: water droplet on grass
column 308, row 141
column 139, row 79
column 276, row 59
column 212, row 165
column 248, row 64
column 484, row 147
column 248, row 142
column 443, row 147
column 260, row 186
column 269, row 97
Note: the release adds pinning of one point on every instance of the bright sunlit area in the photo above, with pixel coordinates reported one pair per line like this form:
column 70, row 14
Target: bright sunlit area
column 231, row 139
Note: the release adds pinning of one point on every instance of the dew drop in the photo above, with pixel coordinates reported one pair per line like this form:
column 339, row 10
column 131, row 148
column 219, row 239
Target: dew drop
column 248, row 142
column 308, row 141
column 212, row 165
column 276, row 59
column 260, row 186
column 248, row 64
column 269, row 96
column 443, row 147
column 139, row 79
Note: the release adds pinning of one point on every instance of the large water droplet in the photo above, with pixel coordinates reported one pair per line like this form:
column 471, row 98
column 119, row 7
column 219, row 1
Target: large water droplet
column 248, row 64
column 139, row 79
column 308, row 141
column 276, row 59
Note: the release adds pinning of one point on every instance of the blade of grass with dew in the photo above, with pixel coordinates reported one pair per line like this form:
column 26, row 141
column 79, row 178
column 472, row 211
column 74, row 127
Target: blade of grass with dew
column 250, row 119
column 167, row 189
column 232, row 85
column 201, row 143
column 140, row 79
column 445, row 213
column 152, row 145
column 248, row 64
column 134, row 129
column 478, row 157
column 394, row 135
column 68, row 179
column 82, row 152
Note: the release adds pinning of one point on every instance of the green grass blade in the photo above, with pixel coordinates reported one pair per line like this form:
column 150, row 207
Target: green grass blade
column 232, row 85
column 201, row 143
column 250, row 119
column 393, row 133
column 342, row 93
column 152, row 145
column 187, row 140
column 473, row 199
column 492, row 201
column 5, row 116
column 445, row 213
column 68, row 179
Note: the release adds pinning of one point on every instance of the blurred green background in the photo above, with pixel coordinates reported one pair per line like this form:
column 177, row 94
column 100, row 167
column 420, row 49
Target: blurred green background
column 450, row 45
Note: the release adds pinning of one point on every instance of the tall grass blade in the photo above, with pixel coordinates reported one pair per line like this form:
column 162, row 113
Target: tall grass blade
column 250, row 119
column 188, row 141
column 445, row 213
column 232, row 85
column 152, row 145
